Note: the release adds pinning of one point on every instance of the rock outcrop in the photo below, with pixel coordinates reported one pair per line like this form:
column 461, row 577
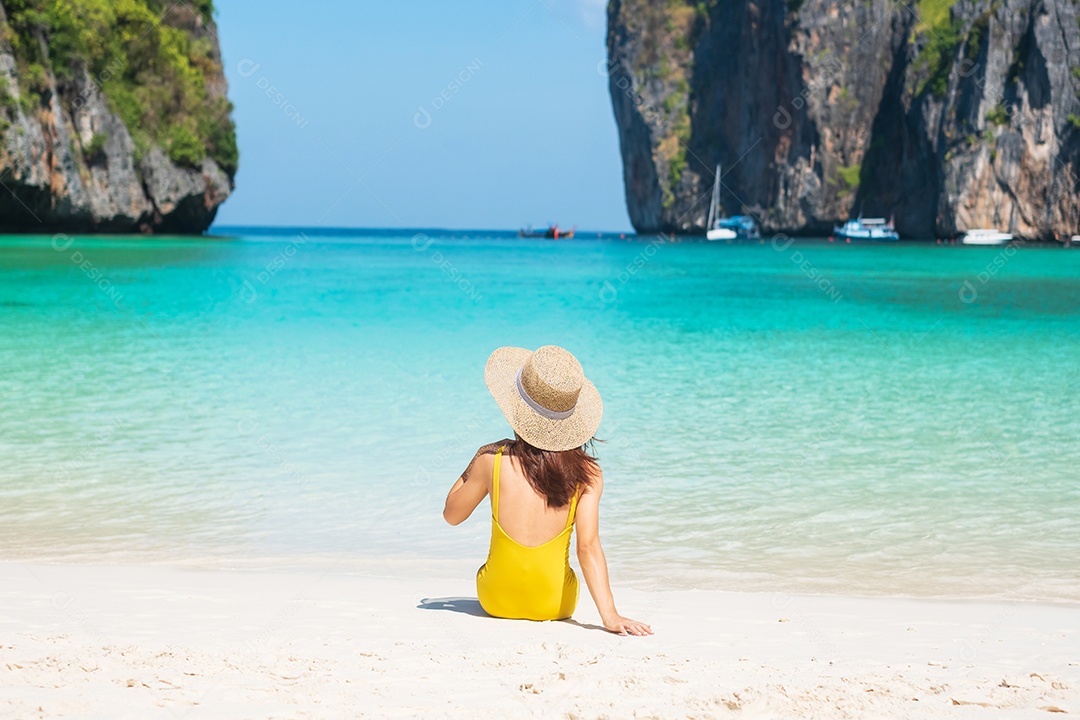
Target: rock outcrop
column 949, row 116
column 70, row 163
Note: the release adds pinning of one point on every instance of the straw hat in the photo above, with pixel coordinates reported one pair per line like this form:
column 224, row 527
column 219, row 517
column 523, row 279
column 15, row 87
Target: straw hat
column 545, row 396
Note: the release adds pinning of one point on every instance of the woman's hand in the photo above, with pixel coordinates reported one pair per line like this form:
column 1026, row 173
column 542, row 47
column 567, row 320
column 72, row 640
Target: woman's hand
column 625, row 626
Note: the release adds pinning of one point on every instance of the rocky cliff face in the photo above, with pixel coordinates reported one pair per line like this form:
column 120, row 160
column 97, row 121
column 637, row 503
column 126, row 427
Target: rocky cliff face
column 80, row 147
column 947, row 115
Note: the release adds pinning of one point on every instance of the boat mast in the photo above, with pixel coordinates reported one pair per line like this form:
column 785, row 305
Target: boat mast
column 714, row 204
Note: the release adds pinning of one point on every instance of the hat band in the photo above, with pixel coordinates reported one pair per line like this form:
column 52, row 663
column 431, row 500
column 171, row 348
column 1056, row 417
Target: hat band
column 540, row 409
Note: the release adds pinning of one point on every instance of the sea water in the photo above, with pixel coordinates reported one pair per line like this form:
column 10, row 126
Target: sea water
column 792, row 416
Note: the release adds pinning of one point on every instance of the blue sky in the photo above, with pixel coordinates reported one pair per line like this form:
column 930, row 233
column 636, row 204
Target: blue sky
column 458, row 114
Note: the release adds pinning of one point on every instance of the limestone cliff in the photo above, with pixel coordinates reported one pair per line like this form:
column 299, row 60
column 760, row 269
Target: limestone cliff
column 947, row 115
column 113, row 117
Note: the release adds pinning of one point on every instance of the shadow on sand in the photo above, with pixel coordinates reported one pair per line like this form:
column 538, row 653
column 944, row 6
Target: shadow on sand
column 466, row 605
column 471, row 606
column 586, row 626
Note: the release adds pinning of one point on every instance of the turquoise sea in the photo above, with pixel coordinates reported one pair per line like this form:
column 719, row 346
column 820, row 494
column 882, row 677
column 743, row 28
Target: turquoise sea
column 805, row 417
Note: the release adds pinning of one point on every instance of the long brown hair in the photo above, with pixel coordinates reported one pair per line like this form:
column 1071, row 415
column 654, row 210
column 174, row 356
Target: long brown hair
column 556, row 475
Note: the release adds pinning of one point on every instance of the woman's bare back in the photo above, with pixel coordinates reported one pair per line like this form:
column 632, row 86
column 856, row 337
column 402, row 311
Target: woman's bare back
column 523, row 512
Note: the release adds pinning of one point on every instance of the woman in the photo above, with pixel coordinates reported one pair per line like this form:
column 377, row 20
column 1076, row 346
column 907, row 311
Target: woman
column 541, row 484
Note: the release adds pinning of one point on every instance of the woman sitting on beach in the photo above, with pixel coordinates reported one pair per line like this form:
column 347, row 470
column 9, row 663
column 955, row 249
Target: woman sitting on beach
column 541, row 484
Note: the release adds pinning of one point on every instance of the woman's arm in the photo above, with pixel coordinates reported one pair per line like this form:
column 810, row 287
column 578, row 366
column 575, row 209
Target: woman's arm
column 594, row 564
column 470, row 488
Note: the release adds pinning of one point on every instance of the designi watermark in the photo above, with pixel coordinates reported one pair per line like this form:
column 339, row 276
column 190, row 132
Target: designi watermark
column 609, row 291
column 247, row 68
column 422, row 119
column 969, row 292
column 62, row 243
column 421, row 242
column 782, row 242
column 249, row 293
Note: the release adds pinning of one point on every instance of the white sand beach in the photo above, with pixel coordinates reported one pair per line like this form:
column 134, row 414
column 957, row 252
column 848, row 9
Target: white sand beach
column 90, row 641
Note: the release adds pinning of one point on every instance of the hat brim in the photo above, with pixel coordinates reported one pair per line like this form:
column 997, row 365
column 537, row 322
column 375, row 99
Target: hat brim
column 500, row 375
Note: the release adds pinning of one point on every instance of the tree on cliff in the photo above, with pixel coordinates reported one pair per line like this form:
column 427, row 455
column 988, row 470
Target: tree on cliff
column 122, row 93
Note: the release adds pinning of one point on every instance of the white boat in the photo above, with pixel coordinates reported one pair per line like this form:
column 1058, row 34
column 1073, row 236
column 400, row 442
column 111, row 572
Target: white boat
column 745, row 226
column 721, row 234
column 986, row 236
column 713, row 229
column 867, row 229
column 1074, row 240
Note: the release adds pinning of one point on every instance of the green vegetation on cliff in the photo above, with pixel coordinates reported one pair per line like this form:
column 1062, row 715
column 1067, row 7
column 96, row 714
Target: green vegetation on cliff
column 943, row 35
column 847, row 178
column 154, row 62
column 666, row 31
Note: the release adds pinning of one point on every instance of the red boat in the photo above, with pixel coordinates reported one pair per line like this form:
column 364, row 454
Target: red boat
column 554, row 232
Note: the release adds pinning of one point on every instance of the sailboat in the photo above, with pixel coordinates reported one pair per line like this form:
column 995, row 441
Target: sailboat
column 713, row 228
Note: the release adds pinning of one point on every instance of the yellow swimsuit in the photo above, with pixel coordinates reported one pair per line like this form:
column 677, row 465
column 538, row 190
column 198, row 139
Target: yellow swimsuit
column 531, row 583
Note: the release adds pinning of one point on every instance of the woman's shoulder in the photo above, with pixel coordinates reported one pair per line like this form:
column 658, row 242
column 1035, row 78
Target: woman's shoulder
column 595, row 485
column 493, row 448
column 484, row 459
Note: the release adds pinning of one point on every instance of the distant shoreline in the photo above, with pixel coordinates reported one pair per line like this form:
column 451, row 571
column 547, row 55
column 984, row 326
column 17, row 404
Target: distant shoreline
column 226, row 232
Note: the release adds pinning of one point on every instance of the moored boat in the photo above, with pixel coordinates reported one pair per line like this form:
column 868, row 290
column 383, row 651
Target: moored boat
column 553, row 232
column 867, row 229
column 985, row 236
column 745, row 226
column 720, row 233
column 741, row 227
